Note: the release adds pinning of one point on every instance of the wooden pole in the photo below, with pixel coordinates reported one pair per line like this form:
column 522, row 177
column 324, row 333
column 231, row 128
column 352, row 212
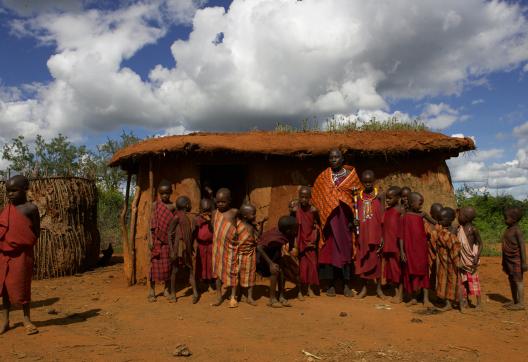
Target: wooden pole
column 133, row 224
column 152, row 199
column 124, row 233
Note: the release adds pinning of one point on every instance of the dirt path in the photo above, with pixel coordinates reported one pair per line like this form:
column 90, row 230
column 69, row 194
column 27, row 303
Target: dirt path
column 96, row 317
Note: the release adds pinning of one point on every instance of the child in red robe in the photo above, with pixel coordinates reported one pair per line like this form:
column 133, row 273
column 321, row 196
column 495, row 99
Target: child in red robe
column 162, row 218
column 19, row 232
column 368, row 262
column 307, row 239
column 391, row 235
column 414, row 250
column 203, row 236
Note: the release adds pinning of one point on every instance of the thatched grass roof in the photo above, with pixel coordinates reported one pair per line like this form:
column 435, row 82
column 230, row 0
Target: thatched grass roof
column 298, row 143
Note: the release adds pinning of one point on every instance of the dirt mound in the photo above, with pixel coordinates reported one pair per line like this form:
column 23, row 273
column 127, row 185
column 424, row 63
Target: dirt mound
column 299, row 143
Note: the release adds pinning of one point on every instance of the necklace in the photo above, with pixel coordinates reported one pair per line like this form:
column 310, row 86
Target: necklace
column 337, row 175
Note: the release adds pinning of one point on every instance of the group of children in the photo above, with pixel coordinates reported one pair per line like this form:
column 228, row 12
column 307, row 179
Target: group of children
column 395, row 243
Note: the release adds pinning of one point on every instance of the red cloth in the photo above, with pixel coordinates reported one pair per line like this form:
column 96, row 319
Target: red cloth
column 416, row 270
column 204, row 238
column 368, row 263
column 306, row 239
column 391, row 249
column 16, row 255
column 160, row 263
column 272, row 241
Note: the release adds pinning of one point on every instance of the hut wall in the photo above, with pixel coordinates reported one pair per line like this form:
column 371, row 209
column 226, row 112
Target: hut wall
column 184, row 175
column 69, row 240
column 273, row 182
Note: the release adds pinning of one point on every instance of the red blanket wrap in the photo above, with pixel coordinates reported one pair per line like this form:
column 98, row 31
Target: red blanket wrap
column 306, row 239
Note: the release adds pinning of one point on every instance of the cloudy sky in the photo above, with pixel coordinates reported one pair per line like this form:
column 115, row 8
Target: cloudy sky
column 90, row 69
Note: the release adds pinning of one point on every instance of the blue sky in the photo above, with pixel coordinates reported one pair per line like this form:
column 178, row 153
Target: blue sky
column 91, row 69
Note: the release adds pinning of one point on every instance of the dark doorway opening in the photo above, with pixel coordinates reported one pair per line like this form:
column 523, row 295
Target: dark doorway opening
column 231, row 176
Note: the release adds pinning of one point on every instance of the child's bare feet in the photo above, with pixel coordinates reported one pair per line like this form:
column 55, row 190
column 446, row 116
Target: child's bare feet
column 411, row 302
column 274, row 303
column 251, row 301
column 218, row 302
column 195, row 298
column 363, row 293
column 311, row 293
column 151, row 297
column 4, row 327
column 396, row 299
column 284, row 302
column 167, row 294
column 233, row 303
column 348, row 292
column 172, row 298
column 330, row 292
column 427, row 304
column 300, row 296
column 380, row 294
column 515, row 307
column 30, row 328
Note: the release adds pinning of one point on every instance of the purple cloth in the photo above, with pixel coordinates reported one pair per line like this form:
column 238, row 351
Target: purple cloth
column 337, row 249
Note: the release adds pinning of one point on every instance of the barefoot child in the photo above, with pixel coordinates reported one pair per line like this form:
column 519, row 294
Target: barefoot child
column 243, row 271
column 307, row 239
column 368, row 262
column 432, row 228
column 160, row 263
column 413, row 246
column 277, row 264
column 203, row 237
column 19, row 232
column 181, row 246
column 391, row 236
column 514, row 256
column 447, row 256
column 224, row 240
column 470, row 249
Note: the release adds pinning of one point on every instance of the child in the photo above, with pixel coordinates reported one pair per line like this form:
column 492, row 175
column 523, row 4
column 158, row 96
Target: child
column 224, row 240
column 181, row 246
column 307, row 239
column 514, row 256
column 243, row 271
column 277, row 264
column 413, row 246
column 160, row 261
column 432, row 228
column 470, row 249
column 447, row 257
column 391, row 235
column 368, row 263
column 19, row 232
column 203, row 237
column 405, row 192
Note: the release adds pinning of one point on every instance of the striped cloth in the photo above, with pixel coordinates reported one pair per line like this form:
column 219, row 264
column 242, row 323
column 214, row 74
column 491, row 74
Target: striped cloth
column 326, row 196
column 472, row 283
column 245, row 270
column 160, row 263
column 224, row 246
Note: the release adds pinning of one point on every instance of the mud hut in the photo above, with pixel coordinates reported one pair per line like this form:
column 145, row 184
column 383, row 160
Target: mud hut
column 69, row 240
column 267, row 168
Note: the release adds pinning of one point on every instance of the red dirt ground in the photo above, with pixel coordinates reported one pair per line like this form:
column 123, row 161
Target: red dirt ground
column 95, row 316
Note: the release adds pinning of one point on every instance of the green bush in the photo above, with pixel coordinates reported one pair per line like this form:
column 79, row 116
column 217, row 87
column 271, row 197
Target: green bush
column 108, row 211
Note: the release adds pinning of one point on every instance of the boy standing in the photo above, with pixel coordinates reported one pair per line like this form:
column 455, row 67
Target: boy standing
column 181, row 246
column 19, row 232
column 447, row 256
column 203, row 235
column 307, row 239
column 224, row 240
column 368, row 263
column 391, row 235
column 413, row 246
column 162, row 218
column 514, row 256
column 470, row 249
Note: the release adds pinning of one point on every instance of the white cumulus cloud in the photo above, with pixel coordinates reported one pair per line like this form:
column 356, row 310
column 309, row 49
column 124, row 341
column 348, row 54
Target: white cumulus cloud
column 259, row 62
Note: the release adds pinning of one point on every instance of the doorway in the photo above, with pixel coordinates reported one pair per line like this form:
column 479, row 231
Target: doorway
column 231, row 176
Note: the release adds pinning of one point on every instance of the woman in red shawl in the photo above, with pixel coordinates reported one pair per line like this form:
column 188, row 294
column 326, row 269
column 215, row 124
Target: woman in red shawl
column 333, row 195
